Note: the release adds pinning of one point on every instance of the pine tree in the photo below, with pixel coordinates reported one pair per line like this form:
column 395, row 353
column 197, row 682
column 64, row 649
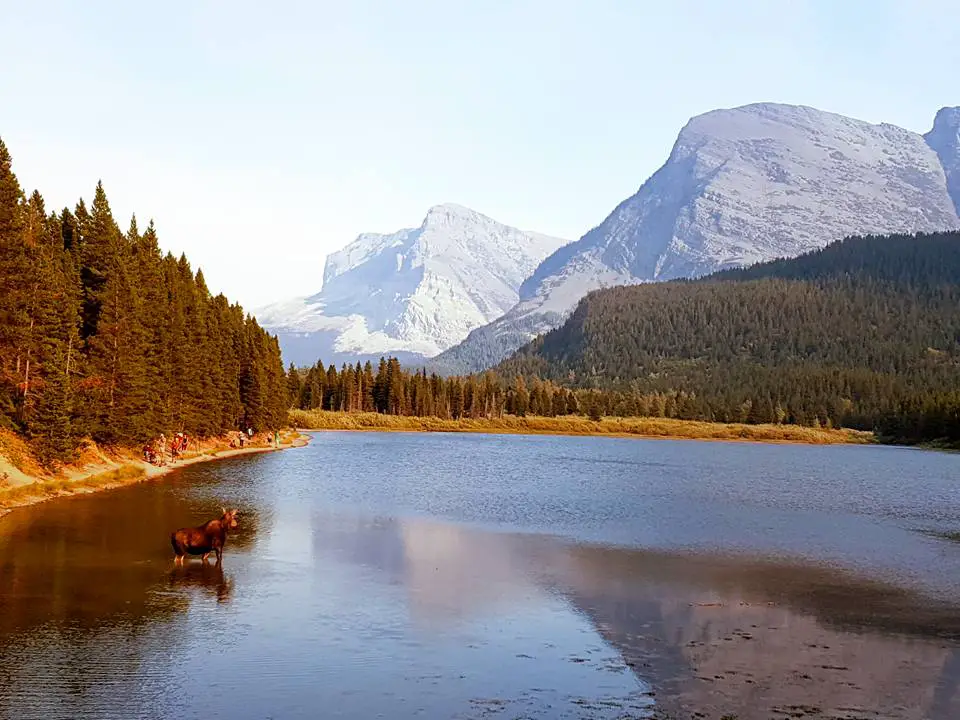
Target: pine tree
column 521, row 397
column 152, row 320
column 100, row 255
column 294, row 386
column 13, row 263
column 42, row 281
column 396, row 395
column 368, row 388
column 52, row 423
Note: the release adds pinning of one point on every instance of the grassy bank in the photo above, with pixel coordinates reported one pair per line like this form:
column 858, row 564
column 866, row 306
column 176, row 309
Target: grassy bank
column 24, row 482
column 578, row 425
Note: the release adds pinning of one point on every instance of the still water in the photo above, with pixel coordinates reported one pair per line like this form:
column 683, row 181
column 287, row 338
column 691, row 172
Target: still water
column 475, row 576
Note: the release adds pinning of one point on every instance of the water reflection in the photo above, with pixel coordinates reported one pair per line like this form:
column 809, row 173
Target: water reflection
column 713, row 634
column 761, row 639
column 448, row 573
column 365, row 614
column 207, row 577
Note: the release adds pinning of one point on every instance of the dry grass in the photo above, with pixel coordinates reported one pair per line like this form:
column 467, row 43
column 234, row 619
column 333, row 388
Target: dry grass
column 16, row 453
column 578, row 425
column 24, row 494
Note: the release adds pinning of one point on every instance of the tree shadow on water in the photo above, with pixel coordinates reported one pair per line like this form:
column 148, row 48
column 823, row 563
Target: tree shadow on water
column 208, row 577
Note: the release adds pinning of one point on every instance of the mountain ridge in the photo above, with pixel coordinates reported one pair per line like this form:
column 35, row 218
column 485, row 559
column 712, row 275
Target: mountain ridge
column 740, row 185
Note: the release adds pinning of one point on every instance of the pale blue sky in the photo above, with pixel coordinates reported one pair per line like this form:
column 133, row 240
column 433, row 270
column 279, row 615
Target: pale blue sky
column 261, row 136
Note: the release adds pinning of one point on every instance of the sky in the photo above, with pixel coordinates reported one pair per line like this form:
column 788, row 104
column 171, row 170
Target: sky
column 261, row 136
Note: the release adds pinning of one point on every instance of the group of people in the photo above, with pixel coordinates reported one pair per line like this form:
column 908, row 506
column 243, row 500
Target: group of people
column 245, row 436
column 179, row 444
column 155, row 452
column 241, row 438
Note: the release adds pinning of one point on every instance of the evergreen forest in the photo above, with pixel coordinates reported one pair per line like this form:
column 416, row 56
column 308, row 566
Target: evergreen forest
column 104, row 336
column 864, row 333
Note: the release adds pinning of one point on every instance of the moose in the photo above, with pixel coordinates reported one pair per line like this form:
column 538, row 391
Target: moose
column 204, row 539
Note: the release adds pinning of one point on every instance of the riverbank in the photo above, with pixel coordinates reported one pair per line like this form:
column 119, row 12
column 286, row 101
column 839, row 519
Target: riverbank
column 578, row 425
column 23, row 482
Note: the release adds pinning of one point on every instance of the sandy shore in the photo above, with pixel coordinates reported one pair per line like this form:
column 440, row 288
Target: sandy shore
column 102, row 470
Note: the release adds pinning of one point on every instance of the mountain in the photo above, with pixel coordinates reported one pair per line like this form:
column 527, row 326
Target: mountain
column 863, row 332
column 412, row 293
column 740, row 186
column 944, row 138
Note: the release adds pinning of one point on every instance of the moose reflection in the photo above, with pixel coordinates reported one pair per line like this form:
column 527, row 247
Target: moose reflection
column 207, row 577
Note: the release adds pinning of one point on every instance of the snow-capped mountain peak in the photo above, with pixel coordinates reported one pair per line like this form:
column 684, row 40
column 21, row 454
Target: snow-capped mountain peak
column 413, row 292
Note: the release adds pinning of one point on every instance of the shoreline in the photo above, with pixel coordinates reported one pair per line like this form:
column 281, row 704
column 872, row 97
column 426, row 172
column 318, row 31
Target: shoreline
column 114, row 469
column 577, row 426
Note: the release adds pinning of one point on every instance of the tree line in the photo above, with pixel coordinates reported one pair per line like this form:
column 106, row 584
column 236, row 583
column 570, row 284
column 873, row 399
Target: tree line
column 394, row 390
column 104, row 336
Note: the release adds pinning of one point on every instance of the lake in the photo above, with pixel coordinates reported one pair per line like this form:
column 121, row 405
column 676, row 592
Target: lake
column 402, row 575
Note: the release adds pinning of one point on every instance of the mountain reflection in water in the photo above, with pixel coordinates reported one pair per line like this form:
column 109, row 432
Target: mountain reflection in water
column 709, row 631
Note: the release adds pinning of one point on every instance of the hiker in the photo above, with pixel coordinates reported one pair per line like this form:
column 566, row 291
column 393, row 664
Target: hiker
column 242, row 439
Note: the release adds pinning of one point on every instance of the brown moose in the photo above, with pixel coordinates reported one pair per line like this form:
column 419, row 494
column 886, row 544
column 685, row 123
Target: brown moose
column 204, row 539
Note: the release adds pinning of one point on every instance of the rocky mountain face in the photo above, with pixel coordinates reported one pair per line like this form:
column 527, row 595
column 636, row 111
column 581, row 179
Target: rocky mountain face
column 740, row 186
column 944, row 138
column 412, row 293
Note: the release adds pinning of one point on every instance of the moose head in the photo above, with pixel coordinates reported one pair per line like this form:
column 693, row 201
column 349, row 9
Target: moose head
column 229, row 518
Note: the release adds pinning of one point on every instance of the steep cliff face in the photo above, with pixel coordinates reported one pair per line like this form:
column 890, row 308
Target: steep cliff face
column 412, row 293
column 740, row 186
column 944, row 138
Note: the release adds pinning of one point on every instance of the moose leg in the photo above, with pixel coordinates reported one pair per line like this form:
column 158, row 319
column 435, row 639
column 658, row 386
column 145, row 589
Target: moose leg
column 219, row 554
column 205, row 555
column 177, row 552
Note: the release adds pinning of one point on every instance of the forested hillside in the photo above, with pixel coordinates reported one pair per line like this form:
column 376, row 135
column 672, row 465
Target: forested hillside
column 103, row 336
column 864, row 333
